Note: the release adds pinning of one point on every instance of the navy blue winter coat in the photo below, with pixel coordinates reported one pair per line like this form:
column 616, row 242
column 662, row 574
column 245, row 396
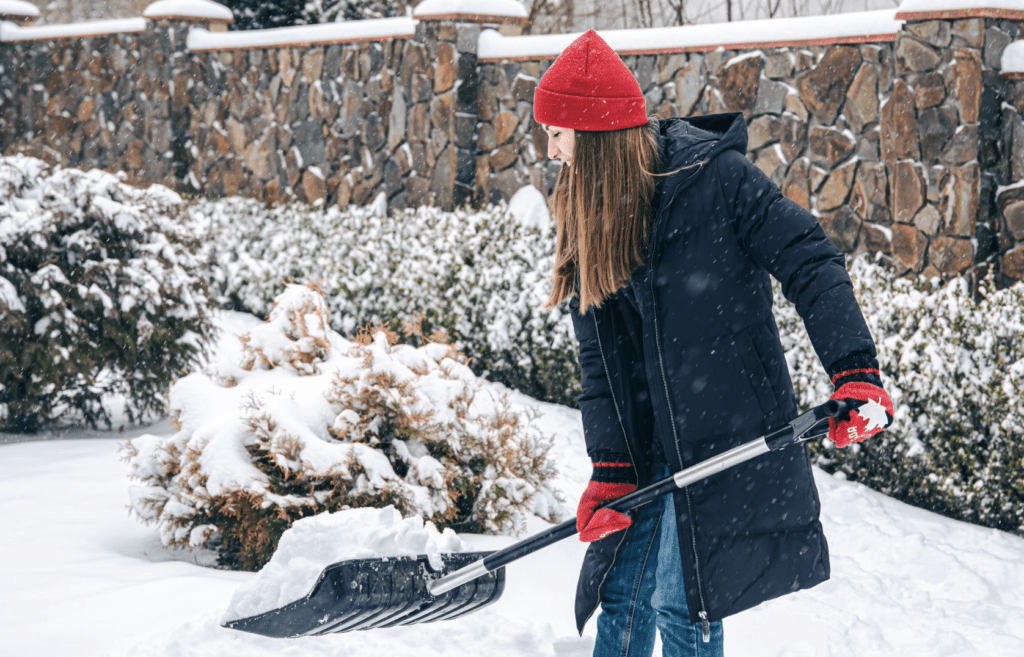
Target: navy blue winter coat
column 685, row 362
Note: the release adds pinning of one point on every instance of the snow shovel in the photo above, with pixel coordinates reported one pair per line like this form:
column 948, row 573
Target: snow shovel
column 363, row 594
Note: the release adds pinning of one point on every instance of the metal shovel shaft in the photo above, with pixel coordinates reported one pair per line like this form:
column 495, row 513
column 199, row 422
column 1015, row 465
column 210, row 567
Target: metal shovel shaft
column 808, row 425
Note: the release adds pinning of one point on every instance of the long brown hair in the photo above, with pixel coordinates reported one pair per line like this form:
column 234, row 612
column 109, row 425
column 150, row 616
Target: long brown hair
column 603, row 213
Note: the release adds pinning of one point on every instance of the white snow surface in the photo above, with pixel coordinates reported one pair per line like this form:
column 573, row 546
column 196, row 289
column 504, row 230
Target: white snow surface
column 314, row 543
column 1013, row 58
column 201, row 39
column 493, row 45
column 952, row 5
column 530, row 208
column 11, row 32
column 511, row 8
column 18, row 8
column 196, row 8
column 78, row 576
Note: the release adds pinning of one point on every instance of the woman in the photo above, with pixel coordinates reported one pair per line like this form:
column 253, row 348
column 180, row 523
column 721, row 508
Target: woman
column 667, row 235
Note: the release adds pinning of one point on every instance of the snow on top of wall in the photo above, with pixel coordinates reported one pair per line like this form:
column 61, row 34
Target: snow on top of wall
column 188, row 8
column 366, row 30
column 510, row 8
column 860, row 26
column 1013, row 58
column 965, row 7
column 11, row 32
column 18, row 8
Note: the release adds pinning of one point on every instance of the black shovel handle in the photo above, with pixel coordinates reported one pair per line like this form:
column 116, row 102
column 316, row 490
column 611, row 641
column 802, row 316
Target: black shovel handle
column 812, row 424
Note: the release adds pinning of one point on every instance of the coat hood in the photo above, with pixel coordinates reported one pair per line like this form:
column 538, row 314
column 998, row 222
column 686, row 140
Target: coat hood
column 687, row 141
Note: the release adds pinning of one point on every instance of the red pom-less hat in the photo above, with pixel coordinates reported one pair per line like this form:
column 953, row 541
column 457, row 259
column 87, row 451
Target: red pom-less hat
column 589, row 88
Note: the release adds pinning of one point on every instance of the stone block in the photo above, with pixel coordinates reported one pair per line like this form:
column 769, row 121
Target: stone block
column 792, row 136
column 898, row 123
column 909, row 246
column 916, row 55
column 936, row 181
column 967, row 83
column 828, row 146
column 442, row 113
column 936, row 126
column 837, row 187
column 929, row 90
column 908, row 191
column 951, row 256
column 1014, row 214
column 419, row 126
column 689, row 82
column 928, row 220
column 523, row 88
column 874, row 239
column 771, row 161
column 771, row 97
column 84, row 112
column 962, row 198
column 995, row 43
column 1013, row 263
column 309, row 140
column 796, row 187
column 313, row 64
column 762, row 131
column 314, row 187
column 644, row 71
column 842, row 228
column 795, row 106
column 867, row 146
column 823, row 88
column 505, row 125
column 869, row 189
column 936, row 33
column 397, row 120
column 445, row 71
column 465, row 127
column 504, row 185
column 466, row 37
column 503, row 157
column 862, row 98
column 738, row 83
column 969, row 33
column 666, row 67
column 963, row 147
column 815, row 177
column 778, row 64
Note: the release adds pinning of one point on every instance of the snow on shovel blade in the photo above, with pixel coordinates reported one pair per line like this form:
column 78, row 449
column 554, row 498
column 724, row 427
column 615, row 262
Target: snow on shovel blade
column 362, row 594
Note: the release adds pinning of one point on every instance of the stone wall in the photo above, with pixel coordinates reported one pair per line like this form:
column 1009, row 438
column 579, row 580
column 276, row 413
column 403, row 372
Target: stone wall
column 908, row 144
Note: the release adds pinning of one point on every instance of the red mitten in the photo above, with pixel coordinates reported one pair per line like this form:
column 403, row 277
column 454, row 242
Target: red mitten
column 868, row 420
column 595, row 526
column 614, row 476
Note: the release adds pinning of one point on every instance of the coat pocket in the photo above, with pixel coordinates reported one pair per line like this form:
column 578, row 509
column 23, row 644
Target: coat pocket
column 756, row 374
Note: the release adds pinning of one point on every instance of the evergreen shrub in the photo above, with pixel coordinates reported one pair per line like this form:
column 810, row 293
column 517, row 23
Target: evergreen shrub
column 100, row 294
column 480, row 276
column 303, row 421
column 953, row 363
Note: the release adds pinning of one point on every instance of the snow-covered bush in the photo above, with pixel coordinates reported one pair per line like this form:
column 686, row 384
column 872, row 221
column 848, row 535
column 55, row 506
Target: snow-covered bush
column 953, row 363
column 99, row 295
column 296, row 420
column 480, row 276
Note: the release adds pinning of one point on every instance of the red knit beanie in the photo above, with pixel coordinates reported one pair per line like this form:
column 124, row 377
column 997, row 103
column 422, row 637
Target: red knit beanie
column 589, row 88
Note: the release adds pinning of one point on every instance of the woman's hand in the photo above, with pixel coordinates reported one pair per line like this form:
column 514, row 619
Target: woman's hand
column 874, row 416
column 594, row 526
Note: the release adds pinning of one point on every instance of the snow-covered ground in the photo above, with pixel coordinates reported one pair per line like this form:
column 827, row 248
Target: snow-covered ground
column 78, row 576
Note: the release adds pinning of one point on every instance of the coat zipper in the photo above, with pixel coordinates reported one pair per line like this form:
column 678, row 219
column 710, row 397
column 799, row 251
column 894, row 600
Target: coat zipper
column 625, row 438
column 702, row 614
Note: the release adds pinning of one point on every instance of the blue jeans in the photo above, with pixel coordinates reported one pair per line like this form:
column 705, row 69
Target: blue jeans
column 645, row 590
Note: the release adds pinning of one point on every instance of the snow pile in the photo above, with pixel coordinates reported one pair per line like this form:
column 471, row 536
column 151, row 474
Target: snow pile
column 953, row 363
column 200, row 39
column 296, row 420
column 314, row 543
column 18, row 8
column 481, row 276
column 1013, row 58
column 188, row 9
column 11, row 32
column 741, row 35
column 508, row 8
column 100, row 294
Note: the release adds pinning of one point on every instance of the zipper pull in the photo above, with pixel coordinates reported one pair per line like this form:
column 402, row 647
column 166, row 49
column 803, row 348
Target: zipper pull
column 706, row 626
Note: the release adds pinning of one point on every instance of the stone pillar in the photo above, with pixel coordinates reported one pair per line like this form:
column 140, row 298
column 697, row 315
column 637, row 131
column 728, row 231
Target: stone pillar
column 165, row 80
column 941, row 138
column 451, row 40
